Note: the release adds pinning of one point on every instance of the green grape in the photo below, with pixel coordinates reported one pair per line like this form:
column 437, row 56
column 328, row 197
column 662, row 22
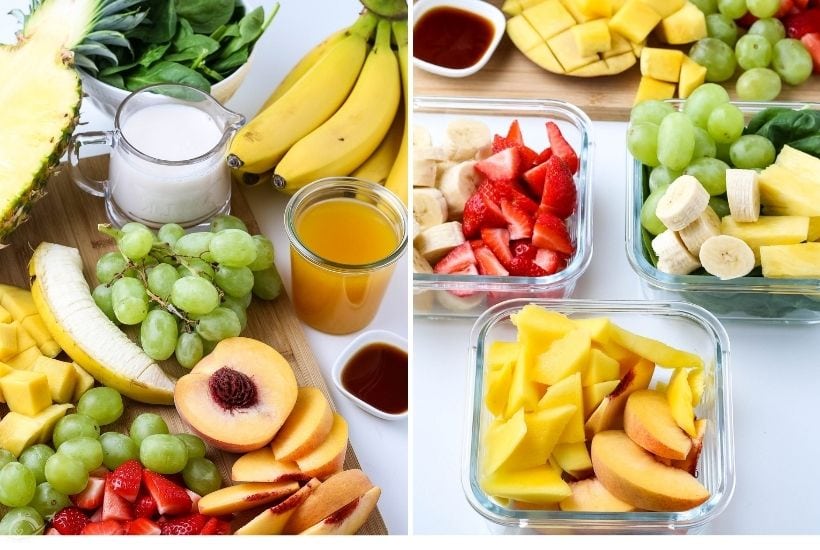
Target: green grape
column 130, row 311
column 264, row 250
column 161, row 280
column 723, row 152
column 189, row 349
column 17, row 484
column 132, row 226
column 267, row 284
column 233, row 248
column 245, row 300
column 753, row 51
column 117, row 448
column 226, row 221
column 733, row 9
column 711, row 173
column 47, row 500
column 103, row 404
column 193, row 245
column 102, row 297
column 6, row 456
column 699, row 104
column 720, row 205
column 158, row 334
column 717, row 56
column 234, row 305
column 195, row 445
column 137, row 243
column 87, row 450
column 128, row 287
column 66, row 474
column 763, row 8
column 725, row 123
column 170, row 233
column 195, row 295
column 201, row 476
column 163, row 453
column 676, row 141
column 708, row 7
column 642, row 142
column 22, row 521
column 721, row 27
column 109, row 266
column 74, row 425
column 219, row 324
column 752, row 151
column 662, row 176
column 147, row 424
column 649, row 220
column 704, row 144
column 770, row 29
column 649, row 110
column 792, row 61
column 196, row 267
column 758, row 85
column 208, row 346
column 34, row 458
column 235, row 281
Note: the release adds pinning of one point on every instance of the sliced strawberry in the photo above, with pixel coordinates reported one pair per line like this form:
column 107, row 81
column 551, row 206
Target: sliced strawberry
column 550, row 232
column 170, row 497
column 504, row 165
column 126, row 479
column 92, row 496
column 786, row 7
column 105, row 527
column 812, row 43
column 498, row 240
column 216, row 526
column 186, row 525
column 514, row 133
column 195, row 498
column 69, row 521
column 524, row 266
column 543, row 156
column 519, row 222
column 142, row 526
column 500, row 143
column 559, row 196
column 550, row 261
column 456, row 260
column 746, row 21
column 494, row 191
column 96, row 517
column 469, row 270
column 488, row 264
column 479, row 213
column 146, row 506
column 802, row 23
column 101, row 472
column 114, row 506
column 523, row 247
column 535, row 178
column 560, row 147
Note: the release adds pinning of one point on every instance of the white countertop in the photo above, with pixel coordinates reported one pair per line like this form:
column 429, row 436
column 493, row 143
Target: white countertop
column 380, row 445
column 775, row 380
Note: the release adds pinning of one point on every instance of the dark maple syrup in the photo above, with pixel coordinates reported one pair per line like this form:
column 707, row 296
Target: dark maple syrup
column 377, row 374
column 451, row 37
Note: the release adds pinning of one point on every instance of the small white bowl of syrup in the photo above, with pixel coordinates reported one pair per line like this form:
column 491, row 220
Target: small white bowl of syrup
column 372, row 372
column 455, row 38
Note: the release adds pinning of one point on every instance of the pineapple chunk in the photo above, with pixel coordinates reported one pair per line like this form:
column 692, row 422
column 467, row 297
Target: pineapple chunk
column 665, row 8
column 542, row 56
column 37, row 329
column 539, row 485
column 649, row 88
column 789, row 192
column 692, row 75
column 596, row 8
column 8, row 341
column 594, row 394
column 573, row 458
column 567, row 392
column 18, row 302
column 797, row 261
column 501, row 440
column 566, row 50
column 84, row 382
column 563, row 358
column 26, row 392
column 18, row 432
column 549, row 18
column 61, row 378
column 592, row 37
column 25, row 360
column 48, row 418
column 601, row 368
column 661, row 64
column 767, row 230
column 522, row 34
column 800, row 162
column 814, row 229
column 635, row 20
column 5, row 316
column 686, row 25
column 544, row 427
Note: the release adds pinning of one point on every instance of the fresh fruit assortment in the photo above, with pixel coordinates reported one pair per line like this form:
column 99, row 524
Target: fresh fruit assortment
column 488, row 204
column 575, row 425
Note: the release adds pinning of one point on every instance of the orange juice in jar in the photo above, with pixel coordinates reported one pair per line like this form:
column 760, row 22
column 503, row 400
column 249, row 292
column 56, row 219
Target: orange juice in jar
column 345, row 237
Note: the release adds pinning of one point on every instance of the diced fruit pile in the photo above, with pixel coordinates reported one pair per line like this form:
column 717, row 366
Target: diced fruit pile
column 491, row 205
column 575, row 426
column 23, row 335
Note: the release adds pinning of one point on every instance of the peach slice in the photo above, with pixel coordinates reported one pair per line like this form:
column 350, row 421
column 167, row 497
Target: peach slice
column 544, row 428
column 271, row 521
column 690, row 463
column 348, row 519
column 539, row 485
column 601, row 368
column 567, row 392
column 328, row 458
column 648, row 422
column 333, row 494
column 594, row 394
column 238, row 396
column 573, row 458
column 654, row 350
column 501, row 439
column 589, row 495
column 633, row 475
column 563, row 358
column 679, row 396
column 609, row 413
column 244, row 496
column 260, row 466
column 307, row 426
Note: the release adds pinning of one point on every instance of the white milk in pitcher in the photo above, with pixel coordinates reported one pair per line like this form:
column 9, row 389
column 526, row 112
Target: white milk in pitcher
column 154, row 192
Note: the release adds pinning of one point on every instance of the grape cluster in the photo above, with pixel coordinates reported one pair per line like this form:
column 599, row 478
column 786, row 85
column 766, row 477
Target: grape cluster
column 186, row 292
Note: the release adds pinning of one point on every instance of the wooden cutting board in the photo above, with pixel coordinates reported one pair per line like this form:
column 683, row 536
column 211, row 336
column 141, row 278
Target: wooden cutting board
column 69, row 216
column 509, row 74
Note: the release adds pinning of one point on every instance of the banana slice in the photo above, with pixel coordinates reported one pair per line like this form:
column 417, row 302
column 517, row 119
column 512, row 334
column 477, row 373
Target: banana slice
column 435, row 242
column 727, row 257
column 673, row 257
column 693, row 235
column 429, row 207
column 421, row 137
column 743, row 192
column 684, row 201
column 424, row 172
column 416, row 229
column 458, row 184
column 459, row 304
column 438, row 154
column 420, row 265
column 465, row 137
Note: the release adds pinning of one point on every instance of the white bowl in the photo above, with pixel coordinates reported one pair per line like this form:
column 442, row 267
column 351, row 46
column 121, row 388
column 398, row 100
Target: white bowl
column 361, row 341
column 485, row 10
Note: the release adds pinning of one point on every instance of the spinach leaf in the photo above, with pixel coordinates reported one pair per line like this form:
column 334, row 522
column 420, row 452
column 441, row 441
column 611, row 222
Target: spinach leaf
column 153, row 54
column 166, row 72
column 251, row 28
column 195, row 46
column 789, row 126
column 233, row 61
column 205, row 16
column 116, row 69
column 162, row 23
column 115, row 80
column 810, row 145
column 763, row 117
column 210, row 73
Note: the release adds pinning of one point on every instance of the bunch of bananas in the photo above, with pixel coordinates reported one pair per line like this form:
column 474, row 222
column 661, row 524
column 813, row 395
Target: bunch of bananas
column 337, row 113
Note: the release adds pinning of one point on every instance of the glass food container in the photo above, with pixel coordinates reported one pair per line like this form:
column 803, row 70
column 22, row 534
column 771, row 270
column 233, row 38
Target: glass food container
column 681, row 325
column 746, row 298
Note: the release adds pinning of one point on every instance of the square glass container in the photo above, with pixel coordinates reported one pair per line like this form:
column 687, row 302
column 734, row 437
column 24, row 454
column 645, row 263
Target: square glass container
column 753, row 298
column 681, row 325
column 432, row 292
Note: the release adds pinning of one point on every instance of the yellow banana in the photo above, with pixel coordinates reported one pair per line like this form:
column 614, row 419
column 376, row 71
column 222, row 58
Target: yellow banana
column 378, row 165
column 313, row 99
column 397, row 180
column 345, row 141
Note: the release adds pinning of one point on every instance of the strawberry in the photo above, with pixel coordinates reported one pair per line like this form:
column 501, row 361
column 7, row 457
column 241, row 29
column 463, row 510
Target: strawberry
column 126, row 479
column 96, row 516
column 195, row 498
column 519, row 222
column 523, row 247
column 191, row 524
column 514, row 133
column 459, row 258
column 802, row 23
column 523, row 264
column 746, row 21
column 500, row 143
column 488, row 264
column 92, row 496
column 142, row 526
column 812, row 43
column 550, row 232
column 498, row 240
column 543, row 156
column 560, row 147
column 146, row 506
column 106, row 527
column 535, row 178
column 216, row 526
column 114, row 506
column 469, row 270
column 786, row 7
column 69, row 521
column 101, row 472
column 504, row 165
column 170, row 498
column 559, row 195
column 480, row 213
column 494, row 191
column 550, row 261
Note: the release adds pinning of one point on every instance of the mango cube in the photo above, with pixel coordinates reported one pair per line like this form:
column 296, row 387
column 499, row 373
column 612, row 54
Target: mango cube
column 563, row 358
column 574, row 8
column 18, row 432
column 18, row 302
column 511, row 7
column 523, row 34
column 661, row 63
column 8, row 341
column 48, row 418
column 692, row 75
column 592, row 37
column 501, row 440
column 544, row 427
column 601, row 368
column 498, row 387
column 26, row 392
column 25, row 360
column 814, row 229
column 566, row 50
column 61, row 378
column 501, row 353
column 596, row 8
column 635, row 20
column 573, row 458
column 549, row 18
column 650, row 88
column 84, row 382
column 4, row 370
column 542, row 56
column 24, row 339
column 619, row 45
column 665, row 8
column 539, row 485
column 524, row 392
column 37, row 329
column 538, row 327
column 686, row 25
column 5, row 316
column 594, row 394
column 567, row 392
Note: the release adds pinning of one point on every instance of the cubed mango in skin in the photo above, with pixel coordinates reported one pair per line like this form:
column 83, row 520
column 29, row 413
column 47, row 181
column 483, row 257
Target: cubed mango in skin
column 692, row 75
column 665, row 8
column 592, row 37
column 61, row 378
column 635, row 20
column 5, row 316
column 522, row 33
column 26, row 392
column 649, row 88
column 25, row 360
column 549, row 18
column 596, row 8
column 686, row 25
column 542, row 56
column 8, row 341
column 573, row 8
column 18, row 432
column 661, row 63
column 84, row 382
column 619, row 45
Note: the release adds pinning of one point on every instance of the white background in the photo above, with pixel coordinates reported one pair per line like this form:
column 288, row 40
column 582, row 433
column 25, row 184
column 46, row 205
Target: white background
column 380, row 445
